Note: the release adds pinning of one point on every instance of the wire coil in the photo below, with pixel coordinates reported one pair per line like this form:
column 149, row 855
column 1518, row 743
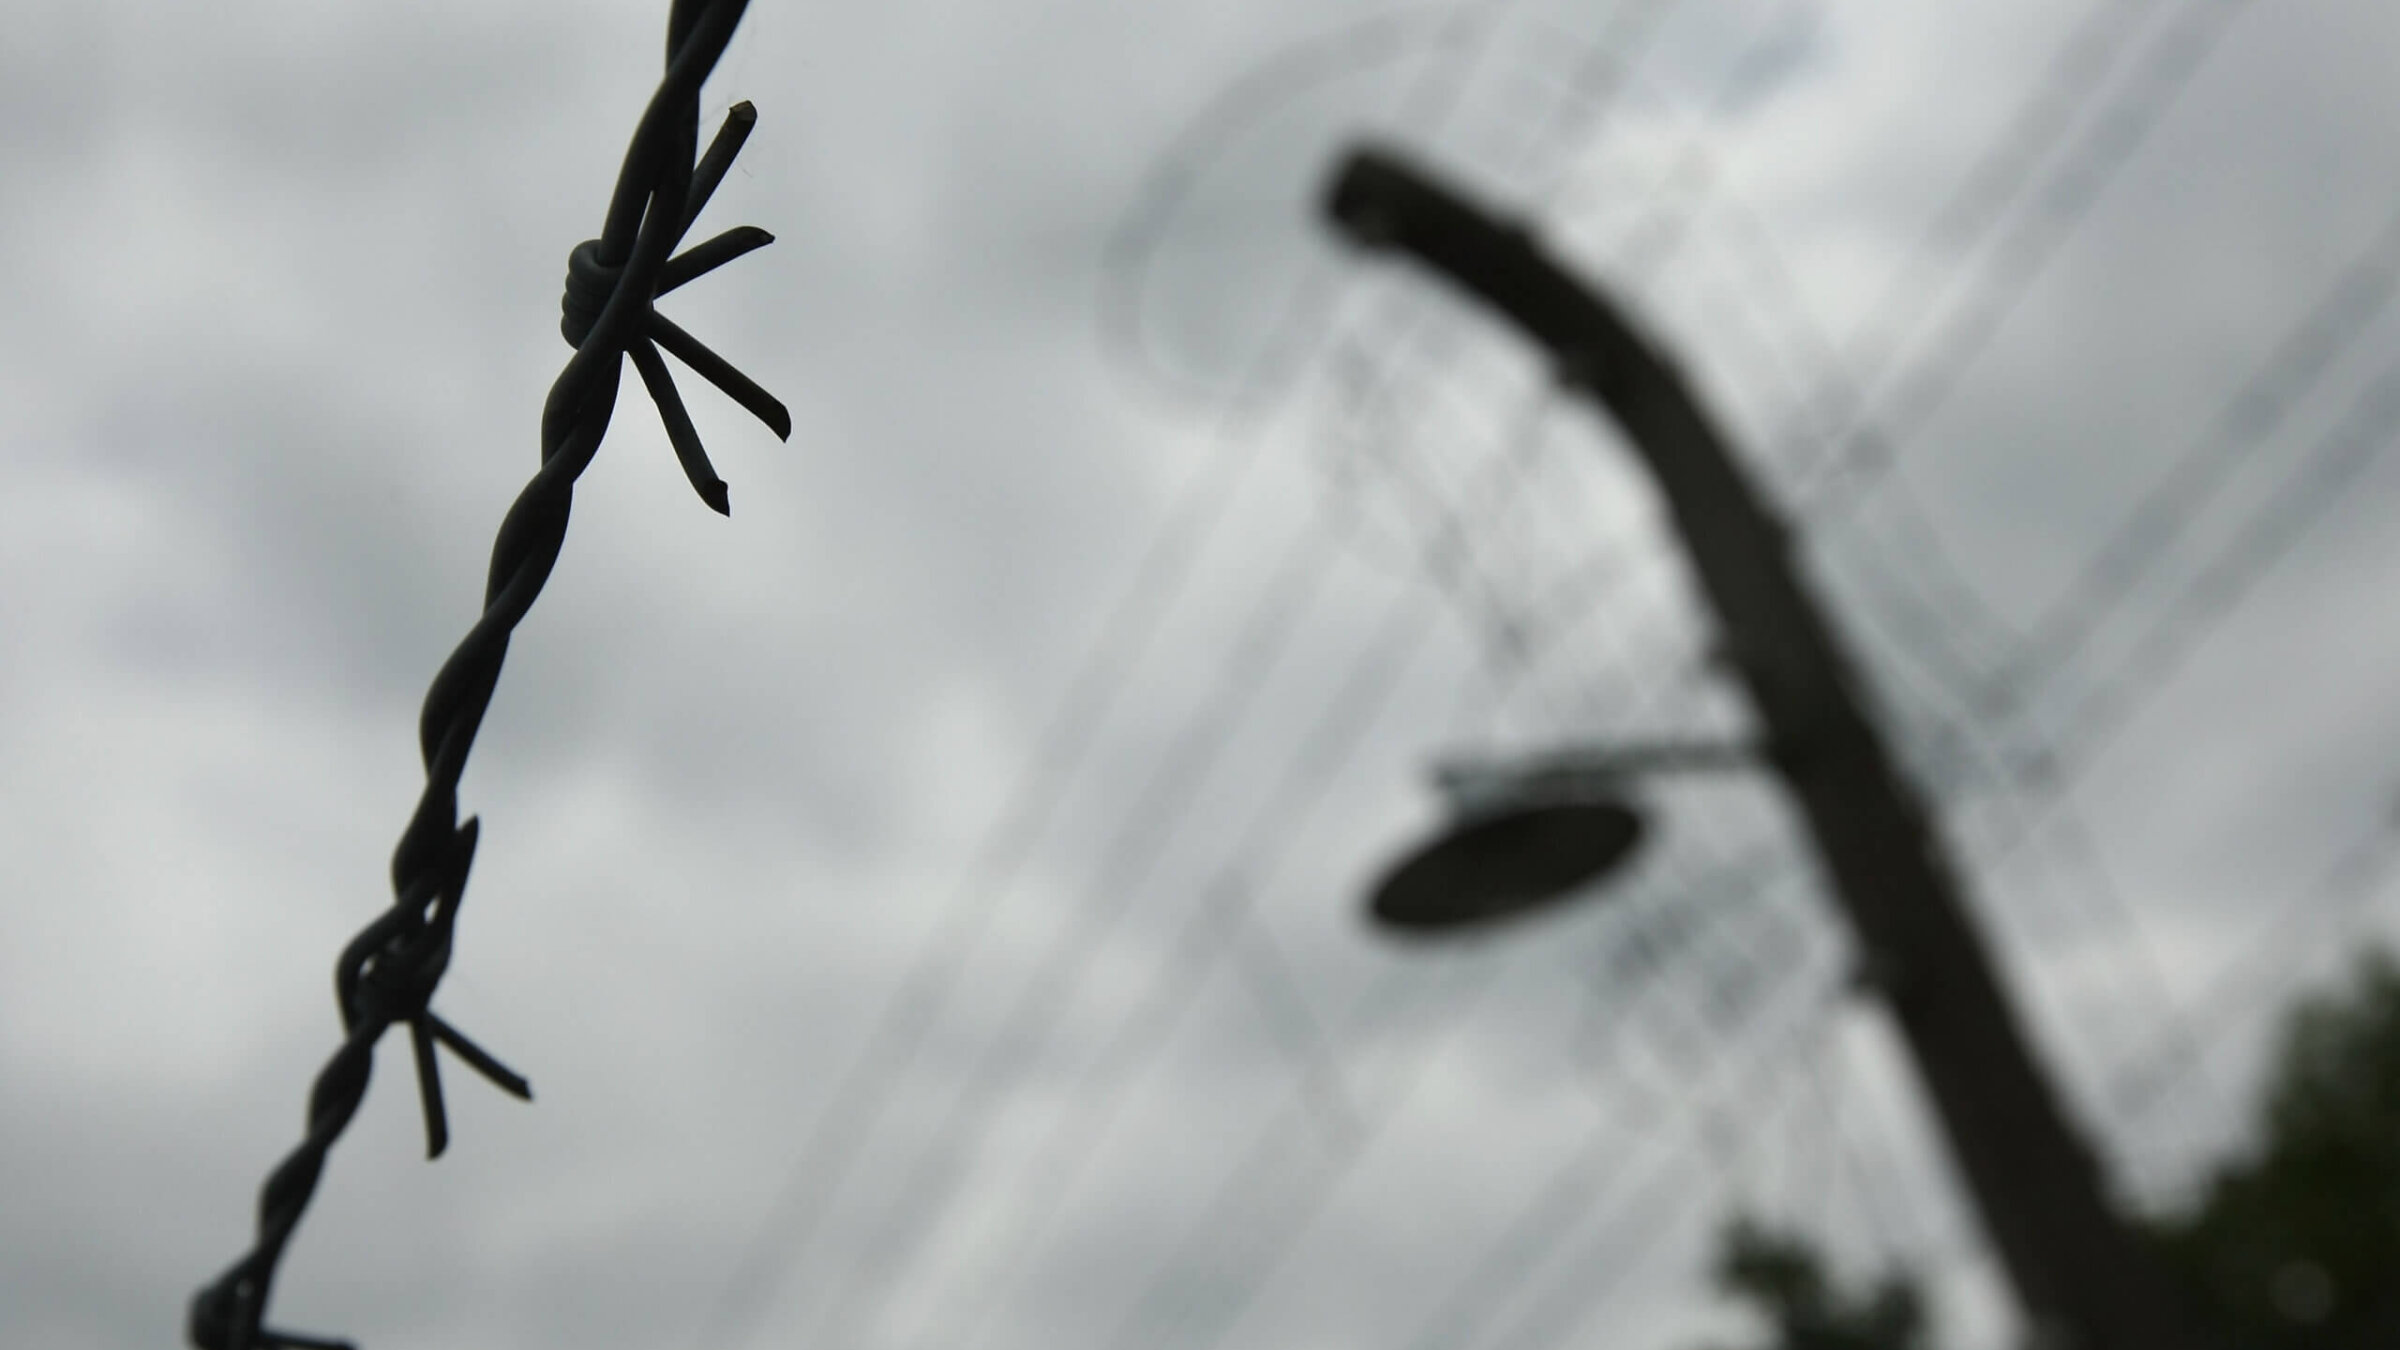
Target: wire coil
column 388, row 973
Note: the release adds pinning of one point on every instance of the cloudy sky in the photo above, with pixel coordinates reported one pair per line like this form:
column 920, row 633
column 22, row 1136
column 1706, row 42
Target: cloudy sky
column 926, row 902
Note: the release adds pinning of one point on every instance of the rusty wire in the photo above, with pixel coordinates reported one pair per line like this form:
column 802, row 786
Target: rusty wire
column 386, row 974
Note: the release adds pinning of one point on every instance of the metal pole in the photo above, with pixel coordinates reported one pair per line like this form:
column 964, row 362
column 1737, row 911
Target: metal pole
column 1566, row 772
column 2082, row 1277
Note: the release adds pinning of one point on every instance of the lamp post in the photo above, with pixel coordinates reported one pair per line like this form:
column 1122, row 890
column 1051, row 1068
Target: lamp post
column 2081, row 1277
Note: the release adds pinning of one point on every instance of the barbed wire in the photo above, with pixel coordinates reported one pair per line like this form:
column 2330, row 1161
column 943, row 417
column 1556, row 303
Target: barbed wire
column 1067, row 1151
column 1596, row 1182
column 924, row 1198
column 388, row 973
column 2283, row 382
column 2178, row 56
column 1724, row 888
column 2257, row 972
column 1663, row 230
column 1295, row 341
column 1904, row 395
column 2155, row 102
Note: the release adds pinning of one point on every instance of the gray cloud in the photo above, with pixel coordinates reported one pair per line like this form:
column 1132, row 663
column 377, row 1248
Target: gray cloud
column 281, row 310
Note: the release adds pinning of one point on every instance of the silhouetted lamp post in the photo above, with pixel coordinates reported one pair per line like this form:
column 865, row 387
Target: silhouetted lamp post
column 2079, row 1274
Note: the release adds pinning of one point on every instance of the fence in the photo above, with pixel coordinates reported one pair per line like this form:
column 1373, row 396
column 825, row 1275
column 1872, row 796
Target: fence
column 387, row 974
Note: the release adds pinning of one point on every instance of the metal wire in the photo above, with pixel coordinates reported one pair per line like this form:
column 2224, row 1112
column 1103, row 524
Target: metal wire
column 387, row 974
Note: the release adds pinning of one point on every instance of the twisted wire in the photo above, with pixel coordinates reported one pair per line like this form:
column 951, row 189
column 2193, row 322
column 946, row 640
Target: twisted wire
column 1293, row 344
column 2282, row 384
column 1595, row 1195
column 387, row 974
column 1909, row 392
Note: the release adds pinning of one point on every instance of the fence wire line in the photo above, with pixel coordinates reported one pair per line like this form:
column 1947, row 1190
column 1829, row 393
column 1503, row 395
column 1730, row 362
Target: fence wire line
column 2280, row 385
column 1269, row 1248
column 1847, row 438
column 1454, row 35
column 1909, row 394
column 926, row 1193
column 1975, row 194
column 1062, row 1167
column 1667, row 228
column 1972, row 220
column 795, row 1219
column 2180, row 55
column 1596, row 1182
column 387, row 974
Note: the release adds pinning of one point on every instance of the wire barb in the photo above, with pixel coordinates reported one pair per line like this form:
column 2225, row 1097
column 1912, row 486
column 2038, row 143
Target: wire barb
column 388, row 972
column 592, row 283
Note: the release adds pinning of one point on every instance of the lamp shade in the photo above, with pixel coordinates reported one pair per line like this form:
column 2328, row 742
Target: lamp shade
column 1504, row 863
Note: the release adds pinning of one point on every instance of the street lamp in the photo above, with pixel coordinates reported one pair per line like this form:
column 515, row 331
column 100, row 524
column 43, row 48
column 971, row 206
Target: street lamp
column 1527, row 835
column 2079, row 1271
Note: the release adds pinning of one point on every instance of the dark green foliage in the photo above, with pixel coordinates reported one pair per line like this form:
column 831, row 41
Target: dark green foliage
column 2297, row 1246
column 2293, row 1246
column 1782, row 1279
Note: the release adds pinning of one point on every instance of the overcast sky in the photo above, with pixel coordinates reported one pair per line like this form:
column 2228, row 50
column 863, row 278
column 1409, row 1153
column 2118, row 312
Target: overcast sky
column 1069, row 674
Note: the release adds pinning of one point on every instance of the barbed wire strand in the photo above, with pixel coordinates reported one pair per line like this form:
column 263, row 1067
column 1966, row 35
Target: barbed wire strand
column 829, row 1152
column 1255, row 1174
column 1982, row 202
column 1345, row 51
column 2324, row 333
column 1655, row 242
column 1993, row 187
column 1980, row 205
column 1137, row 844
column 2320, row 483
column 2190, row 56
column 1592, row 1186
column 1660, row 243
column 1921, row 385
column 388, row 973
column 1064, row 1154
column 1212, row 929
column 1049, row 984
column 2085, row 57
column 2358, row 875
column 928, row 1184
column 1304, row 1200
column 2297, row 364
column 2155, row 1075
column 1929, row 592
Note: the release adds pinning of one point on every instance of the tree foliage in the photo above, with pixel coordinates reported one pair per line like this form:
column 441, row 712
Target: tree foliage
column 1783, row 1280
column 2297, row 1245
column 2293, row 1245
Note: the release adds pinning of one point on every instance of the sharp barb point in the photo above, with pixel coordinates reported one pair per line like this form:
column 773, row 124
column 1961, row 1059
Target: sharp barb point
column 429, row 1087
column 720, row 372
column 479, row 1059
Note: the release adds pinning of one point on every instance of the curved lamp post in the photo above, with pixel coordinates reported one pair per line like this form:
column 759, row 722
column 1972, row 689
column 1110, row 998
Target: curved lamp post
column 2081, row 1277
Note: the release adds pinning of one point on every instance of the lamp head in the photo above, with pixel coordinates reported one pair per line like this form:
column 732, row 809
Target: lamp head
column 1498, row 864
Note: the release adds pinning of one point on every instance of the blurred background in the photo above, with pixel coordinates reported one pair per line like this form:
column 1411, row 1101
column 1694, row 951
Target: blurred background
column 928, row 904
